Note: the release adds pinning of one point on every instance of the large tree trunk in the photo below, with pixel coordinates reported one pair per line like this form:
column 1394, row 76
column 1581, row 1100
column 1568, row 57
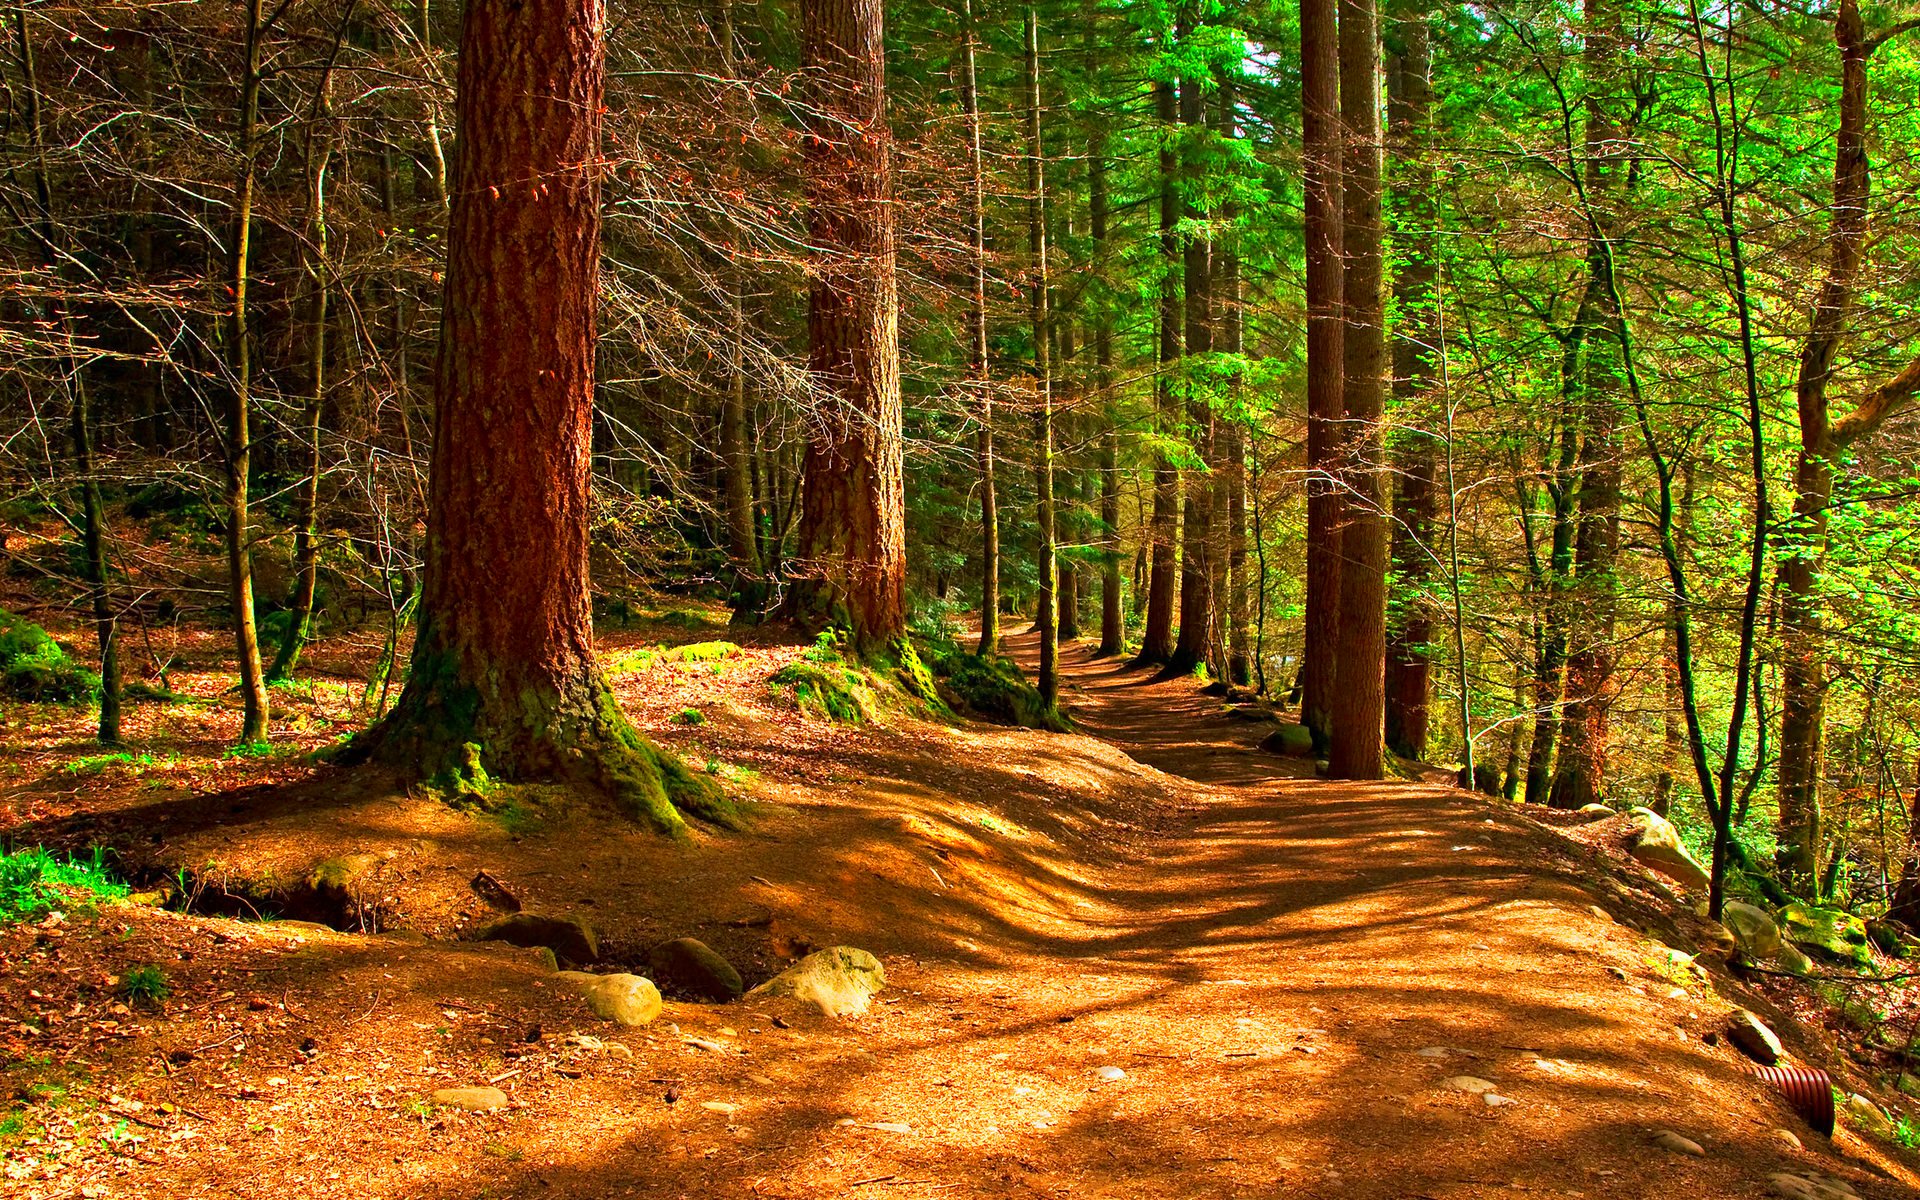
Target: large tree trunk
column 1196, row 531
column 1410, row 628
column 1580, row 775
column 503, row 681
column 1359, row 703
column 853, row 511
column 977, row 372
column 1823, row 440
column 1113, row 630
column 1321, row 155
column 1156, row 639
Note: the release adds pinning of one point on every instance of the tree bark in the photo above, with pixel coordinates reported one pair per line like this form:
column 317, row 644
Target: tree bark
column 503, row 682
column 1823, row 440
column 238, row 441
column 1321, row 160
column 1410, row 626
column 1113, row 629
column 1359, row 702
column 853, row 507
column 1580, row 774
column 977, row 371
column 1156, row 639
column 1196, row 531
column 1037, row 285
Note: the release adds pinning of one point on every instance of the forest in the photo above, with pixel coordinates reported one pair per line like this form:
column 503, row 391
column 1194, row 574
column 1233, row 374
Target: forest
column 782, row 452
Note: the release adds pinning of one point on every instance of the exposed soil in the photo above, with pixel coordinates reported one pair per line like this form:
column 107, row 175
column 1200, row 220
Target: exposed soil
column 1263, row 955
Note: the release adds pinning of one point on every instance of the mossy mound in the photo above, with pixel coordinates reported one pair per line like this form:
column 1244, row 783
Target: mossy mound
column 34, row 667
column 832, row 691
column 917, row 680
column 699, row 652
column 994, row 688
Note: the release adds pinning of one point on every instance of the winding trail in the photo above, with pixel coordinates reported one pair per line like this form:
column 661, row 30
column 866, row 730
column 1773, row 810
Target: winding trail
column 1288, row 978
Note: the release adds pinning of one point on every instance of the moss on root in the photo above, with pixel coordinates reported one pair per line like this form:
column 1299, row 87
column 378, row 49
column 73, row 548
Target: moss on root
column 461, row 743
column 831, row 691
column 917, row 679
column 994, row 687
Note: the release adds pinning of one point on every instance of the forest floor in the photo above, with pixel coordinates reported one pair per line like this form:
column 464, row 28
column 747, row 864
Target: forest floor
column 1286, row 971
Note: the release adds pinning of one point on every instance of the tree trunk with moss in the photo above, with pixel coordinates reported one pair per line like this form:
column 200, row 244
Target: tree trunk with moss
column 503, row 683
column 853, row 541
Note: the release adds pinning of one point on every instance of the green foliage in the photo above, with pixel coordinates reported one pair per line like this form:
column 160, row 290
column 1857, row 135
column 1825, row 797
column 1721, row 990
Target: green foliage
column 33, row 667
column 636, row 661
column 146, row 985
column 826, row 647
column 34, row 882
column 689, row 716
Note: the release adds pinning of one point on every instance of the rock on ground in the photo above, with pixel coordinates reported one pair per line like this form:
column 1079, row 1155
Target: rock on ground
column 839, row 981
column 1828, row 932
column 1752, row 929
column 622, row 999
column 570, row 938
column 1754, row 1039
column 471, row 1099
column 1656, row 843
column 688, row 966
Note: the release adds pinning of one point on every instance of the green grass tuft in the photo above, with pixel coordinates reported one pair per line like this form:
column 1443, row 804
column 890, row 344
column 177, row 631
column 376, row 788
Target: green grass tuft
column 145, row 985
column 35, row 882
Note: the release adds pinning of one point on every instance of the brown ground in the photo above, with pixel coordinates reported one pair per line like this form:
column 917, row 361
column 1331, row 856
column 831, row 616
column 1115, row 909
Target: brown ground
column 1264, row 957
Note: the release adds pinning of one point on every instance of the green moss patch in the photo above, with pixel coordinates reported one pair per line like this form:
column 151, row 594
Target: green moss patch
column 831, row 691
column 994, row 688
column 34, row 667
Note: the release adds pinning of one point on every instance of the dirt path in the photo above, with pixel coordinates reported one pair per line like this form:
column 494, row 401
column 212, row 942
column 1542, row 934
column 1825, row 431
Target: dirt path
column 1284, row 971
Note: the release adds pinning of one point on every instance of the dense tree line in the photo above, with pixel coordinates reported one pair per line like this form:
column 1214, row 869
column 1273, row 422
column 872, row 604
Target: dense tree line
column 1522, row 386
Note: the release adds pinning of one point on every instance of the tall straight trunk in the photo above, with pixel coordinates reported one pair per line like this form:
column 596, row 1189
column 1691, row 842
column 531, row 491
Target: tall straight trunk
column 1156, row 639
column 1552, row 578
column 313, row 255
column 853, row 507
column 1196, row 533
column 503, row 682
column 1580, row 775
column 1824, row 440
column 1067, row 515
column 1410, row 627
column 736, row 453
column 93, row 534
column 1326, row 337
column 238, row 441
column 977, row 373
column 1037, row 285
column 1359, row 703
column 1113, row 628
column 1235, row 663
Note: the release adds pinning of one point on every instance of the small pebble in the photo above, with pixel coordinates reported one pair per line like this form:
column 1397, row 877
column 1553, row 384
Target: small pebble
column 1467, row 1083
column 1111, row 1074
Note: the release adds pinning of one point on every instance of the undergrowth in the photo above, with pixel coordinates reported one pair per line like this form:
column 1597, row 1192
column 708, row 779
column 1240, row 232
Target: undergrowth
column 35, row 882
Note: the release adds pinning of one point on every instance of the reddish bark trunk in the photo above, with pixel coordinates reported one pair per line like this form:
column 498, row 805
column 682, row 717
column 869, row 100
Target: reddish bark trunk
column 852, row 521
column 1320, row 151
column 503, row 681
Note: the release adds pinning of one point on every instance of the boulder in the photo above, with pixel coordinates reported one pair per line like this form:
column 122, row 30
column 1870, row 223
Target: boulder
column 622, row 999
column 1752, row 929
column 1867, row 1115
column 570, row 938
column 1675, row 1143
column 1790, row 959
column 471, row 1099
column 1253, row 712
column 1595, row 812
column 1656, row 843
column 689, row 967
column 839, row 980
column 1294, row 741
column 1829, row 933
column 1751, row 1035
